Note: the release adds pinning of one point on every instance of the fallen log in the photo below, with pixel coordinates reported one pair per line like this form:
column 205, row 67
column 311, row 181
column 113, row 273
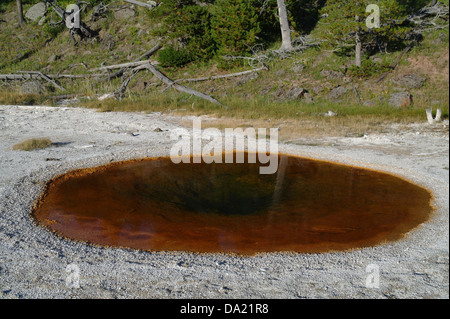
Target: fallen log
column 120, row 66
column 14, row 77
column 74, row 76
column 141, row 4
column 169, row 82
column 63, row 97
column 149, row 53
column 146, row 55
column 46, row 78
column 396, row 62
column 161, row 76
column 216, row 77
column 30, row 76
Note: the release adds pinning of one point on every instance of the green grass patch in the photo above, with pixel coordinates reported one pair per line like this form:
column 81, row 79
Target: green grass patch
column 255, row 108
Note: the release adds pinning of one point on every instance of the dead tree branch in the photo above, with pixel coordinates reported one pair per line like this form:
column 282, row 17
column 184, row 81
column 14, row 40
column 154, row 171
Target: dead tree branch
column 259, row 59
column 121, row 91
column 121, row 66
column 26, row 75
column 74, row 76
column 149, row 53
column 141, row 4
column 146, row 55
column 15, row 77
column 178, row 87
column 397, row 61
column 169, row 82
column 216, row 77
column 225, row 76
column 44, row 77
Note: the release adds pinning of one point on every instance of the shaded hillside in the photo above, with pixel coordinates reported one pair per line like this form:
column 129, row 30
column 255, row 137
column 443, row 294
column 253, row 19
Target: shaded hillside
column 311, row 81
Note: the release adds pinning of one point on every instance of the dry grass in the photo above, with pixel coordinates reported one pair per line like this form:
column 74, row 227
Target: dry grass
column 33, row 144
column 9, row 97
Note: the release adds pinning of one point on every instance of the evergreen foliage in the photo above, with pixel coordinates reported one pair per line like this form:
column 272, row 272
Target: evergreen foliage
column 170, row 57
column 345, row 18
column 189, row 25
column 235, row 26
column 202, row 30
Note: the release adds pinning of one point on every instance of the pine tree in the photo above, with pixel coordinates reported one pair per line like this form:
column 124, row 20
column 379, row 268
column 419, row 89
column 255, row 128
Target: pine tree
column 344, row 24
column 235, row 26
column 190, row 25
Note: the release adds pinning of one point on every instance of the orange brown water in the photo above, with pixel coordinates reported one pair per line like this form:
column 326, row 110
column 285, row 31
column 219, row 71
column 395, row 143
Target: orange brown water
column 308, row 206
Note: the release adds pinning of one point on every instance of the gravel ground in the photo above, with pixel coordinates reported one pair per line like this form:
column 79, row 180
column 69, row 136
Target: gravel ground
column 33, row 261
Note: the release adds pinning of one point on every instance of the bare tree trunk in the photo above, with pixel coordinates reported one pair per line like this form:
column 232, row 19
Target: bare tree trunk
column 20, row 12
column 358, row 49
column 284, row 26
column 358, row 46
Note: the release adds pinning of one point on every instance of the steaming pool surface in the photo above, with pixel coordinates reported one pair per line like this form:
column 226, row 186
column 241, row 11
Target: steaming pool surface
column 308, row 206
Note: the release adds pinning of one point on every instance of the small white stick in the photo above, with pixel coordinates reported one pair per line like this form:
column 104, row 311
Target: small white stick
column 431, row 119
